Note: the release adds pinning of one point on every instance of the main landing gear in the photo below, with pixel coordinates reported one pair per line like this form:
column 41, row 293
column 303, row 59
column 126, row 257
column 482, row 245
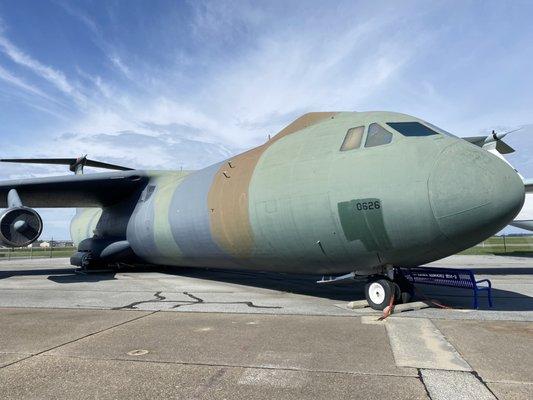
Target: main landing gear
column 380, row 289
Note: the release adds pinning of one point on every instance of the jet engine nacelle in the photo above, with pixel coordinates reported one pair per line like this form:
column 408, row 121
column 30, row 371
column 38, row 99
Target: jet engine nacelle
column 20, row 226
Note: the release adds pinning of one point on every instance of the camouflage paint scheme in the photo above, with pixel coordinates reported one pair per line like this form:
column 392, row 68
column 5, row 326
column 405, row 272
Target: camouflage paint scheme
column 291, row 204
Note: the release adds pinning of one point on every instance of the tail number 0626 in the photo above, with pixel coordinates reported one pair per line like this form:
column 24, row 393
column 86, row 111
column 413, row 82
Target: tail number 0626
column 368, row 205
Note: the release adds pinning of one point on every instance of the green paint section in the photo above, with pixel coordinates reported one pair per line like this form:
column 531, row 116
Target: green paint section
column 488, row 192
column 167, row 249
column 366, row 224
column 301, row 179
column 290, row 204
column 84, row 223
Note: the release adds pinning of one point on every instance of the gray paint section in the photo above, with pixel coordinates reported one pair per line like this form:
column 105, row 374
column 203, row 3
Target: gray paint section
column 417, row 343
column 140, row 233
column 189, row 216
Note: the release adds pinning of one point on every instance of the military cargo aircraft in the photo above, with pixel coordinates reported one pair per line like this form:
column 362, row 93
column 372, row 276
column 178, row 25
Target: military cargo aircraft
column 332, row 193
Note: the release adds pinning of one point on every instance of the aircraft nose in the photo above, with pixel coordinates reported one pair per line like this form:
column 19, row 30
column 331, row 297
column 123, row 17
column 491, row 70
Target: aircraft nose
column 473, row 194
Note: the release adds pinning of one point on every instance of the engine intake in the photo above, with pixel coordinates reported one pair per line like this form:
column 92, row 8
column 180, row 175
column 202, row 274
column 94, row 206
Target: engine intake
column 20, row 226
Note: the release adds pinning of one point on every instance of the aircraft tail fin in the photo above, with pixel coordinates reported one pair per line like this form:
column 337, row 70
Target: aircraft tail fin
column 75, row 164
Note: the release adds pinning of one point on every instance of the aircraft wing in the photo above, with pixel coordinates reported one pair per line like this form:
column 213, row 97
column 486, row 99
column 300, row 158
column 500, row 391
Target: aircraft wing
column 90, row 190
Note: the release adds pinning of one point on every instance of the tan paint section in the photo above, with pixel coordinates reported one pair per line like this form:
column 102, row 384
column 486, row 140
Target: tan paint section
column 228, row 195
column 228, row 204
column 303, row 122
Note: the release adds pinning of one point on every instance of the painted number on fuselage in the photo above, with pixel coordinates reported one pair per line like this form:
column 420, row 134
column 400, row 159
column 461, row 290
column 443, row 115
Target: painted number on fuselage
column 368, row 205
column 362, row 219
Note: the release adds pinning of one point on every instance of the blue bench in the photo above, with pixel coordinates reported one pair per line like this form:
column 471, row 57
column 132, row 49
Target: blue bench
column 458, row 278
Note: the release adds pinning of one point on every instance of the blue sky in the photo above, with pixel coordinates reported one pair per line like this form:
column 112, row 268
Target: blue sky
column 169, row 84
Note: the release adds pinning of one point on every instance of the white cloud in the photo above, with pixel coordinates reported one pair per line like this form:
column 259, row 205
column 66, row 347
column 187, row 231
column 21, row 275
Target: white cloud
column 7, row 76
column 117, row 62
column 32, row 95
column 55, row 77
column 288, row 73
column 283, row 72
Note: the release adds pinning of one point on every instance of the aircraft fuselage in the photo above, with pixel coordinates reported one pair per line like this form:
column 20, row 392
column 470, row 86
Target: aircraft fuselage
column 298, row 203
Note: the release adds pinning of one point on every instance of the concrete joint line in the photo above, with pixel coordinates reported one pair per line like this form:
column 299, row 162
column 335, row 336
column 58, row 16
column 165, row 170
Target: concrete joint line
column 417, row 343
column 237, row 366
column 80, row 338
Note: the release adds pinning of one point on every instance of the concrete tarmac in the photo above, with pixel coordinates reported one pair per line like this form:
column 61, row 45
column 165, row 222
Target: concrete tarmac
column 199, row 334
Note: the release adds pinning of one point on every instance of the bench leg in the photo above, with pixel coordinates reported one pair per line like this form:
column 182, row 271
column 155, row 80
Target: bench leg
column 475, row 299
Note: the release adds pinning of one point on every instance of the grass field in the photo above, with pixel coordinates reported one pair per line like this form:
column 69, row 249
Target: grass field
column 504, row 245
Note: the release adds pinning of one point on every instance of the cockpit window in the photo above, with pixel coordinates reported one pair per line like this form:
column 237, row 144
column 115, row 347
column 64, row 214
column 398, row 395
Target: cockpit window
column 377, row 135
column 412, row 128
column 353, row 138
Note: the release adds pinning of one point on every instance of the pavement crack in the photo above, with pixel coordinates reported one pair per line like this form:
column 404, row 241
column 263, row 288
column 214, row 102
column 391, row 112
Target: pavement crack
column 159, row 298
column 192, row 296
column 479, row 378
column 202, row 301
column 419, row 371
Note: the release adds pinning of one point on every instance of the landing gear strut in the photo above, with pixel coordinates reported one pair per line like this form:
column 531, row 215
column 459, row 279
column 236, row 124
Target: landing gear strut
column 380, row 289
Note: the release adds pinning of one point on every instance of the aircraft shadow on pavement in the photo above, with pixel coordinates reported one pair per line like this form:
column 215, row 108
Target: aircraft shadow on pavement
column 78, row 278
column 503, row 300
column 34, row 272
column 61, row 275
column 290, row 283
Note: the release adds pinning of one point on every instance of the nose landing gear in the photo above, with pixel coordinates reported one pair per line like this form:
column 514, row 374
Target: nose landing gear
column 379, row 292
column 380, row 289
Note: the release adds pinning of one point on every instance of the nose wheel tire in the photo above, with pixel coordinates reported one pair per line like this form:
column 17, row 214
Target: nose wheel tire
column 379, row 292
